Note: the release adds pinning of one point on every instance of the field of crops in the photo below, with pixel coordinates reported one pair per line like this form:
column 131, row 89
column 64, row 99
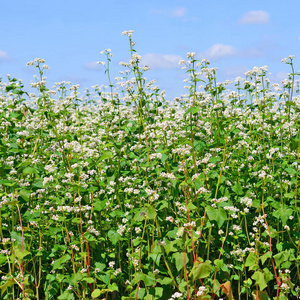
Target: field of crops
column 120, row 194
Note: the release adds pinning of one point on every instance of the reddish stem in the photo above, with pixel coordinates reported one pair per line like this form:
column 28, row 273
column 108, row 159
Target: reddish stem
column 88, row 251
column 187, row 279
column 21, row 264
column 137, row 291
column 190, row 231
column 278, row 282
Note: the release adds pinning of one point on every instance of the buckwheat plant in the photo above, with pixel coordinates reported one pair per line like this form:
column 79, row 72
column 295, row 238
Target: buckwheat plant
column 121, row 194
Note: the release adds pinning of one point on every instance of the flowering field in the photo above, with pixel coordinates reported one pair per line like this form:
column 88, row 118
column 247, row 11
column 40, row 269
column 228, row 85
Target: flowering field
column 120, row 194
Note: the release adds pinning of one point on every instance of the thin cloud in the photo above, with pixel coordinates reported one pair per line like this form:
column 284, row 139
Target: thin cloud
column 161, row 61
column 255, row 17
column 92, row 66
column 157, row 11
column 4, row 56
column 234, row 71
column 251, row 52
column 74, row 79
column 278, row 77
column 179, row 12
column 219, row 51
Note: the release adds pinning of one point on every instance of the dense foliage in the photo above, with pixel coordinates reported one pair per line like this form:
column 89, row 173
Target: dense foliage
column 121, row 194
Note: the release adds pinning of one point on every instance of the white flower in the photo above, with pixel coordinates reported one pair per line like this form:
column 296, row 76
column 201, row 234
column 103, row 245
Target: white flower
column 128, row 33
column 176, row 295
column 201, row 290
column 138, row 230
column 160, row 243
column 191, row 55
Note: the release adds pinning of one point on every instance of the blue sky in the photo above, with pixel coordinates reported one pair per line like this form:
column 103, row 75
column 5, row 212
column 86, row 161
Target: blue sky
column 234, row 35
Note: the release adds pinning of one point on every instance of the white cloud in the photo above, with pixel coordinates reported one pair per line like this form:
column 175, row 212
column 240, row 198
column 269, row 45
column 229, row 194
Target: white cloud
column 179, row 12
column 4, row 56
column 234, row 71
column 157, row 11
column 278, row 77
column 161, row 61
column 251, row 52
column 92, row 66
column 74, row 79
column 218, row 51
column 255, row 17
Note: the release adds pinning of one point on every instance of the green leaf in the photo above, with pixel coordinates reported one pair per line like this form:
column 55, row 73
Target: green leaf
column 30, row 170
column 201, row 270
column 258, row 276
column 149, row 281
column 38, row 183
column 3, row 259
column 89, row 237
column 67, row 295
column 283, row 214
column 59, row 262
column 290, row 195
column 7, row 182
column 182, row 287
column 268, row 275
column 140, row 293
column 165, row 281
column 113, row 287
column 4, row 286
column 53, row 289
column 251, row 260
column 114, row 237
column 100, row 266
column 281, row 257
column 151, row 213
column 89, row 280
column 21, row 254
column 140, row 215
column 158, row 292
column 219, row 263
column 106, row 155
column 191, row 206
column 99, row 205
column 218, row 215
column 96, row 293
column 164, row 157
column 18, row 239
column 75, row 278
column 155, row 257
column 237, row 188
column 162, row 204
column 104, row 277
column 179, row 259
column 214, row 160
column 198, row 184
column 264, row 257
column 25, row 194
column 290, row 170
column 192, row 110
